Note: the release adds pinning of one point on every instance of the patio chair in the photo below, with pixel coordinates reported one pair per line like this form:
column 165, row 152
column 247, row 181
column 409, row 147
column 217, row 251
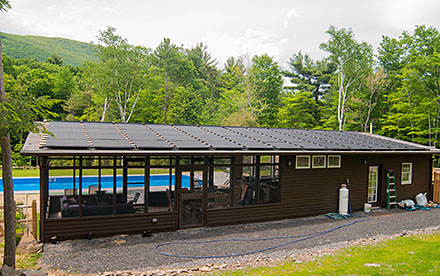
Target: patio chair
column 70, row 191
column 93, row 189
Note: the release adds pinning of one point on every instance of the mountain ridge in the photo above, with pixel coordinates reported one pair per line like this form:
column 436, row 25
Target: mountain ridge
column 72, row 52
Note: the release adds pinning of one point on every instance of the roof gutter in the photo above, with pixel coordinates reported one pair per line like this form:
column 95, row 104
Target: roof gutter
column 95, row 152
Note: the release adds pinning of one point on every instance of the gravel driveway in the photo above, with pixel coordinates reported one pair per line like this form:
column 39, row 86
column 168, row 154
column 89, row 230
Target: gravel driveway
column 136, row 253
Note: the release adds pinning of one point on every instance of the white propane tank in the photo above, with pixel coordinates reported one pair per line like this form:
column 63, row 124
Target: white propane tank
column 343, row 200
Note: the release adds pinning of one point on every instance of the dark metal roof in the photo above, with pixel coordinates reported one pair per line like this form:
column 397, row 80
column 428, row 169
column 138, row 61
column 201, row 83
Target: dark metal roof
column 87, row 136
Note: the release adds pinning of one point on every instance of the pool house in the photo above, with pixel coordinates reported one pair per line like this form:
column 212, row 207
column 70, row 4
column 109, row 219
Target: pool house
column 103, row 179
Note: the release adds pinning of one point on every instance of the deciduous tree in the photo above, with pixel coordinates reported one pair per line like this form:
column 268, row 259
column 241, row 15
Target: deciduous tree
column 119, row 74
column 266, row 83
column 353, row 60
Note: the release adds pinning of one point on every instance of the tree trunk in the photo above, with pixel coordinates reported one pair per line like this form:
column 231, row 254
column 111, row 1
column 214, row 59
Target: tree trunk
column 105, row 109
column 8, row 199
column 8, row 190
column 165, row 99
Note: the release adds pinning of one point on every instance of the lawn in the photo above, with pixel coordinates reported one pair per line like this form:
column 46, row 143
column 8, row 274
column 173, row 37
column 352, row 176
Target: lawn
column 413, row 255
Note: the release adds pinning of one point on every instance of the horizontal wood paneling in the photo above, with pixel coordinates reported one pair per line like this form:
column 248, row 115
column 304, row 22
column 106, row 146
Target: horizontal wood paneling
column 303, row 193
column 309, row 192
column 73, row 228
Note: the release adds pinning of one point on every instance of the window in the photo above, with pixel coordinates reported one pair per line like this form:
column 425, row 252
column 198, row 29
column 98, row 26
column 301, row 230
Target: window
column 302, row 162
column 406, row 173
column 373, row 180
column 269, row 184
column 318, row 161
column 256, row 180
column 334, row 161
column 219, row 187
column 162, row 195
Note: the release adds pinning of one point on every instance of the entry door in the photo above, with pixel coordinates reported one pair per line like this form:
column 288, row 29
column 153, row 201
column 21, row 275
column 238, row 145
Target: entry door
column 373, row 184
column 192, row 198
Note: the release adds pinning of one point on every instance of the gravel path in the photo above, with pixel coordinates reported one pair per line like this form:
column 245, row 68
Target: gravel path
column 137, row 254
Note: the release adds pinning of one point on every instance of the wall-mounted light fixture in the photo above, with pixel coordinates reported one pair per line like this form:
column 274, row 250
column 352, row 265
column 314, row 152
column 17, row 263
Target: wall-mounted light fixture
column 289, row 163
column 364, row 161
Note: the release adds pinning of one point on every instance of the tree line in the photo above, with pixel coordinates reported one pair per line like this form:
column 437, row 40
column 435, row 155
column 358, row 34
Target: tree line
column 396, row 88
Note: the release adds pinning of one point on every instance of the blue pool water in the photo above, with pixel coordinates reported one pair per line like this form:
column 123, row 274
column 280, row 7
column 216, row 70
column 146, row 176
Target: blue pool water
column 66, row 182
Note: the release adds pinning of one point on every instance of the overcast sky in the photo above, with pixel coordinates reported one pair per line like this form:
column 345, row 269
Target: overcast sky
column 229, row 28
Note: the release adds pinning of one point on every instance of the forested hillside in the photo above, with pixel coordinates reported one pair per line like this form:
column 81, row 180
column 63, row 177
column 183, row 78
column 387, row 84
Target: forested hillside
column 395, row 88
column 41, row 48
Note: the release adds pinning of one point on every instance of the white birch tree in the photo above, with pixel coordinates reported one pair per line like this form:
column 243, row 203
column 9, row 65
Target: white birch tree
column 119, row 76
column 353, row 60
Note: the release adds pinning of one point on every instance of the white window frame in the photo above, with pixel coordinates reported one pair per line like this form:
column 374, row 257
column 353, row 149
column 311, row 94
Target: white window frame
column 302, row 156
column 319, row 167
column 409, row 181
column 333, row 166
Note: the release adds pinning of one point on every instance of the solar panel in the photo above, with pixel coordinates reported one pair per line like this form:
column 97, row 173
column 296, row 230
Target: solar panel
column 342, row 138
column 106, row 136
column 66, row 143
column 178, row 138
column 168, row 137
column 143, row 137
column 382, row 143
column 67, row 135
column 111, row 144
column 213, row 140
column 263, row 135
column 247, row 142
column 295, row 140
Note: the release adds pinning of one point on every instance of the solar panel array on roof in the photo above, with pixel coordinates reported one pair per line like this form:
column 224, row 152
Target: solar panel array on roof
column 178, row 138
column 303, row 144
column 381, row 143
column 332, row 140
column 106, row 136
column 169, row 137
column 269, row 140
column 143, row 137
column 67, row 135
column 245, row 141
column 325, row 142
column 215, row 141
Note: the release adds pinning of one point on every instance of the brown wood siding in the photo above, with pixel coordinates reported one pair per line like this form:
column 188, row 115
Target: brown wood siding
column 304, row 192
column 308, row 192
column 76, row 228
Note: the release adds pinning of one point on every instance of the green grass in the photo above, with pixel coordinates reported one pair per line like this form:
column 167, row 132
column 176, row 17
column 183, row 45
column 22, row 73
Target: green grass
column 39, row 47
column 414, row 255
column 25, row 173
column 28, row 262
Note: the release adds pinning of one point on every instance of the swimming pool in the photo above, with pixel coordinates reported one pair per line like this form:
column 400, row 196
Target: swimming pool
column 32, row 184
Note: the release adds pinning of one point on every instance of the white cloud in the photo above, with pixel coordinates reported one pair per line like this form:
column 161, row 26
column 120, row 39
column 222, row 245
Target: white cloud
column 293, row 13
column 229, row 28
column 251, row 42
